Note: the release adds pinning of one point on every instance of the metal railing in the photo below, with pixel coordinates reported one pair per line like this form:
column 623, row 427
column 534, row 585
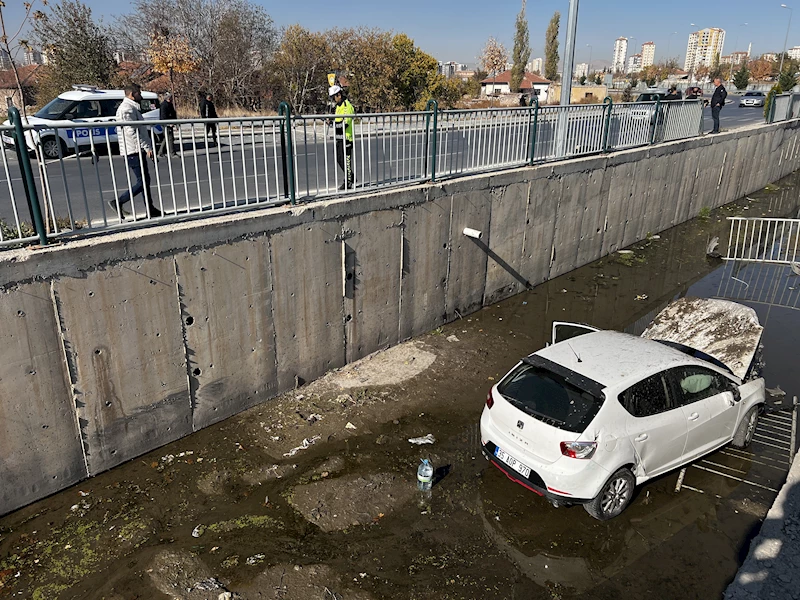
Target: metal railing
column 762, row 239
column 76, row 175
column 784, row 107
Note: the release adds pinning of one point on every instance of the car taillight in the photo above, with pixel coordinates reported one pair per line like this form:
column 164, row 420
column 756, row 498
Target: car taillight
column 578, row 449
column 489, row 399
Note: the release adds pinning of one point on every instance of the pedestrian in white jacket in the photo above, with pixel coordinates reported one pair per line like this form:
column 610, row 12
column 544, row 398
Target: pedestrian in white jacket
column 136, row 148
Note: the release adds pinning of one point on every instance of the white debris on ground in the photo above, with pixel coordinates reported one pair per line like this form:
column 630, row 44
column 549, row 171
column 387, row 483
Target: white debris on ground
column 427, row 439
column 305, row 445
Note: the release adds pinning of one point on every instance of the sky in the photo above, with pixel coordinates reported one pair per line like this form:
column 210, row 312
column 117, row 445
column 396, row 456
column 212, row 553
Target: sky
column 458, row 31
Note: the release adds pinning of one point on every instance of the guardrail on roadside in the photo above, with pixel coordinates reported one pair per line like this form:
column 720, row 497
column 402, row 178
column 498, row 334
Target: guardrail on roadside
column 262, row 161
column 784, row 107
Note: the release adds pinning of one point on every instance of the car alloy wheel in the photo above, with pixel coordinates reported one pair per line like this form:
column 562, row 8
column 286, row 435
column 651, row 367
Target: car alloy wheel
column 752, row 421
column 615, row 495
column 50, row 147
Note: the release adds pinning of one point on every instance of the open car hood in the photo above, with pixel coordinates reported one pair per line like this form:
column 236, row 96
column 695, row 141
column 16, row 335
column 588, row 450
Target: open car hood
column 727, row 331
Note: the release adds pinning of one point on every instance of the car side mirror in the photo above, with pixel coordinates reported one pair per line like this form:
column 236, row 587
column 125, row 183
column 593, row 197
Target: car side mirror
column 737, row 395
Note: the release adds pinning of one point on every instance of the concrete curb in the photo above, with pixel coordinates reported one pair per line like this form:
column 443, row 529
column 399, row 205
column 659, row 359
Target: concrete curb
column 772, row 568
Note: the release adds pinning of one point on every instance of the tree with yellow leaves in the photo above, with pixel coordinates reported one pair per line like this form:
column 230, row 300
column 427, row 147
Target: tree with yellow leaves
column 170, row 53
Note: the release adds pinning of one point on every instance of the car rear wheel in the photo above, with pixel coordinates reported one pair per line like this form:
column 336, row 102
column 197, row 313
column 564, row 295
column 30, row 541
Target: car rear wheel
column 614, row 497
column 50, row 147
column 746, row 429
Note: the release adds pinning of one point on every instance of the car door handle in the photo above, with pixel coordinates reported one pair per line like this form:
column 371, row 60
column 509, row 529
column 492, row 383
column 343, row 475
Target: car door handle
column 693, row 417
column 641, row 437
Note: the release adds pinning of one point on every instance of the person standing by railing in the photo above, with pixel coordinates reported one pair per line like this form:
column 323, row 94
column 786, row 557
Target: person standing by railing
column 136, row 148
column 717, row 102
column 343, row 127
column 167, row 112
column 209, row 111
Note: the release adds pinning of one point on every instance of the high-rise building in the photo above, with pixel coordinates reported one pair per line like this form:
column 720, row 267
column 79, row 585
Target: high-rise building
column 620, row 54
column 32, row 57
column 5, row 60
column 535, row 66
column 703, row 47
column 634, row 63
column 648, row 54
column 735, row 58
column 794, row 53
column 582, row 70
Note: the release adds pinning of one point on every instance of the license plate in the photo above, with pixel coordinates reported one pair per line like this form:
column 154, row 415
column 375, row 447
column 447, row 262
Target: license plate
column 512, row 462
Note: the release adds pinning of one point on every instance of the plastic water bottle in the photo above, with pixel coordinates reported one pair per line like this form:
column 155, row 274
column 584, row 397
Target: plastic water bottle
column 424, row 475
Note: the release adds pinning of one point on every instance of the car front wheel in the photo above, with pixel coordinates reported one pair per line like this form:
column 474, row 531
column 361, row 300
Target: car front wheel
column 614, row 497
column 747, row 427
column 50, row 147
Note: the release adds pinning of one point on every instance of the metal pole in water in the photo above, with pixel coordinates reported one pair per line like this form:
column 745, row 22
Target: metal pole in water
column 681, row 475
column 793, row 446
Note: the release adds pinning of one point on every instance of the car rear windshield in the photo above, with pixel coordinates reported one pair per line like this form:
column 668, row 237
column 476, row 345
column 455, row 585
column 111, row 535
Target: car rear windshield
column 550, row 398
column 54, row 109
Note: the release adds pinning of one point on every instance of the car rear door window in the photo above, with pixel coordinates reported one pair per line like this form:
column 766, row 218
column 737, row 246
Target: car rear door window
column 548, row 397
column 648, row 397
column 694, row 383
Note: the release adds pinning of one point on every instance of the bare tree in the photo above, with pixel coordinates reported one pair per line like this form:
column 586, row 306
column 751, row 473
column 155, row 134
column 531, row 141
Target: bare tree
column 493, row 59
column 7, row 40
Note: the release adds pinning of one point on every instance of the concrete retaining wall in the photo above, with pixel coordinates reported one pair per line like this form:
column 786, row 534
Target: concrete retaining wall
column 116, row 345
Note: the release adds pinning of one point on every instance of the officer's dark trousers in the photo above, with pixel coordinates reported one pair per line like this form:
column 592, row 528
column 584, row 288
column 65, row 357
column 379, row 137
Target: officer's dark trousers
column 344, row 158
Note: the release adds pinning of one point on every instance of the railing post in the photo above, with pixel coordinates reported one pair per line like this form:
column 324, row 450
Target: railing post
column 654, row 132
column 535, row 104
column 286, row 140
column 433, row 146
column 771, row 115
column 27, row 175
column 608, row 104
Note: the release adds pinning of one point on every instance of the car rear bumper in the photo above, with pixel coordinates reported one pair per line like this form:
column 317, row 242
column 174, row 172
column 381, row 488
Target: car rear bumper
column 534, row 482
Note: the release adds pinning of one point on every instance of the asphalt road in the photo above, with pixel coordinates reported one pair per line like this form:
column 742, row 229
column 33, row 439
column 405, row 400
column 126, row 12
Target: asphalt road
column 247, row 169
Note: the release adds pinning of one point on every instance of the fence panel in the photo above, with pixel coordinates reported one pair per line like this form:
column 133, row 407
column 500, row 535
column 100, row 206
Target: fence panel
column 15, row 216
column 387, row 149
column 781, row 109
column 569, row 131
column 79, row 189
column 763, row 239
column 469, row 141
column 631, row 125
column 679, row 119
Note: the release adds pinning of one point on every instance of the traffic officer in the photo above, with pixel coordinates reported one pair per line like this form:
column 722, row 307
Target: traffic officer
column 343, row 127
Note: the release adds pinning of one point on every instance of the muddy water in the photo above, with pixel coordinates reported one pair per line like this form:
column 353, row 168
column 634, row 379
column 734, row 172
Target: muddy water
column 227, row 510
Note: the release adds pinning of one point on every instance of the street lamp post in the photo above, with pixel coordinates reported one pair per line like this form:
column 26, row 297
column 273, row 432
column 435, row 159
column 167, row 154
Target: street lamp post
column 669, row 43
column 735, row 46
column 786, row 40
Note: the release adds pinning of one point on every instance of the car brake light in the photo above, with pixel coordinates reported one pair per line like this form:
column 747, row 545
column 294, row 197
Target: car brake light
column 489, row 399
column 578, row 449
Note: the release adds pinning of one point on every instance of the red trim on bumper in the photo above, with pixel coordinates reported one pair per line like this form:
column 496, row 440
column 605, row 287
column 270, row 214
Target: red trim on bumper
column 515, row 480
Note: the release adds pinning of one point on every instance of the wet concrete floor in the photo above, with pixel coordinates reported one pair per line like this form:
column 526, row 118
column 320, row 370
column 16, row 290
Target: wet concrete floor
column 312, row 495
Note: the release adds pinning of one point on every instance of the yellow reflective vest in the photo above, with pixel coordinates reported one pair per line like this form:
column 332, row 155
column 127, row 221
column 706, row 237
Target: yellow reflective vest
column 345, row 108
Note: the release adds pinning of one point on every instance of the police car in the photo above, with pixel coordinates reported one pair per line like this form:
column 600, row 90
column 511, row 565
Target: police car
column 85, row 108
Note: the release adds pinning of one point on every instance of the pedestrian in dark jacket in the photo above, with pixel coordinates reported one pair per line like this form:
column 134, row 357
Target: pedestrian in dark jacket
column 717, row 102
column 672, row 94
column 209, row 111
column 167, row 112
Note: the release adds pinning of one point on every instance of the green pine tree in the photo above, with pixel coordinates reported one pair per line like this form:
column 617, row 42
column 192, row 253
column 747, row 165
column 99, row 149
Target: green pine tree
column 522, row 50
column 551, row 48
column 741, row 77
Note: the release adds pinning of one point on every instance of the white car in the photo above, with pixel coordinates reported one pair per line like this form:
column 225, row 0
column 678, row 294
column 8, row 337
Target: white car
column 587, row 418
column 81, row 112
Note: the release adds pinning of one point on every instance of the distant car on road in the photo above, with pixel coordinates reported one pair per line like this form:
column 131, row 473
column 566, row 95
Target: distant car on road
column 752, row 99
column 585, row 420
column 85, row 108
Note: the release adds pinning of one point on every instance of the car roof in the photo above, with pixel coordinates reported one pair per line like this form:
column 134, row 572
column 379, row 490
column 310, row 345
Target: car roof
column 615, row 359
column 101, row 95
